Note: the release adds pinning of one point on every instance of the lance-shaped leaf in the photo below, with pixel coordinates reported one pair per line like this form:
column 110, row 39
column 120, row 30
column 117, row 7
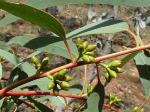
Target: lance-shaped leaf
column 126, row 59
column 143, row 65
column 52, row 45
column 41, row 107
column 41, row 4
column 26, row 67
column 105, row 26
column 35, row 16
column 56, row 46
column 21, row 40
column 47, row 3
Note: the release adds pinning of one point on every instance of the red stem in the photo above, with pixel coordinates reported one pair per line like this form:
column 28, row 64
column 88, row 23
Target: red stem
column 32, row 93
column 70, row 65
column 108, row 106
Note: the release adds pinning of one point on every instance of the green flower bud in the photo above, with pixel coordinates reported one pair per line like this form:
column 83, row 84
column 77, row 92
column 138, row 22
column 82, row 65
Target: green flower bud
column 51, row 85
column 92, row 59
column 36, row 62
column 79, row 41
column 64, row 85
column 85, row 58
column 80, row 47
column 85, row 44
column 60, row 75
column 90, row 47
column 38, row 66
column 45, row 61
column 68, row 78
column 106, row 76
column 50, row 77
column 89, row 89
column 112, row 73
column 62, row 72
column 56, row 90
column 90, row 54
column 119, row 70
column 115, row 63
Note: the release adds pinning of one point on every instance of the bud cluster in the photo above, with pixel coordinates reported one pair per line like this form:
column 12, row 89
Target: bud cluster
column 86, row 50
column 40, row 64
column 59, row 79
column 112, row 69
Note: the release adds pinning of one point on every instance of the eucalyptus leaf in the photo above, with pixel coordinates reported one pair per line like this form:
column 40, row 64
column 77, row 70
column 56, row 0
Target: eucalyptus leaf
column 143, row 66
column 26, row 67
column 41, row 4
column 1, row 70
column 96, row 100
column 9, row 18
column 127, row 58
column 34, row 16
column 53, row 45
column 56, row 46
column 1, row 102
column 41, row 107
column 21, row 40
column 4, row 46
column 47, row 3
column 42, row 83
column 17, row 72
column 104, row 26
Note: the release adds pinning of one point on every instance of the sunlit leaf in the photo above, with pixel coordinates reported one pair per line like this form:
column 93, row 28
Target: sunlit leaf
column 105, row 26
column 34, row 16
column 21, row 40
column 47, row 3
column 53, row 45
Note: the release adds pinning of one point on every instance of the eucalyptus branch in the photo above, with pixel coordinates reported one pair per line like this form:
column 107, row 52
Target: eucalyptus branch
column 31, row 93
column 70, row 65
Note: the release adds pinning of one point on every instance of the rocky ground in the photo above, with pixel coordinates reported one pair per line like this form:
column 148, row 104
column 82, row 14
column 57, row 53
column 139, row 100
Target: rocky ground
column 127, row 86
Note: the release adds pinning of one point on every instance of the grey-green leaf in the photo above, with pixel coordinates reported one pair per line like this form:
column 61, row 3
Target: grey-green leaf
column 1, row 71
column 53, row 45
column 96, row 100
column 34, row 16
column 4, row 46
column 126, row 59
column 105, row 26
column 41, row 107
column 21, row 40
column 26, row 67
column 143, row 65
column 47, row 3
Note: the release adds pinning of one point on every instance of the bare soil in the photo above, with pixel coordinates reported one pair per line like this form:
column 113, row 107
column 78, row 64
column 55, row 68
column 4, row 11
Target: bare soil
column 127, row 86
